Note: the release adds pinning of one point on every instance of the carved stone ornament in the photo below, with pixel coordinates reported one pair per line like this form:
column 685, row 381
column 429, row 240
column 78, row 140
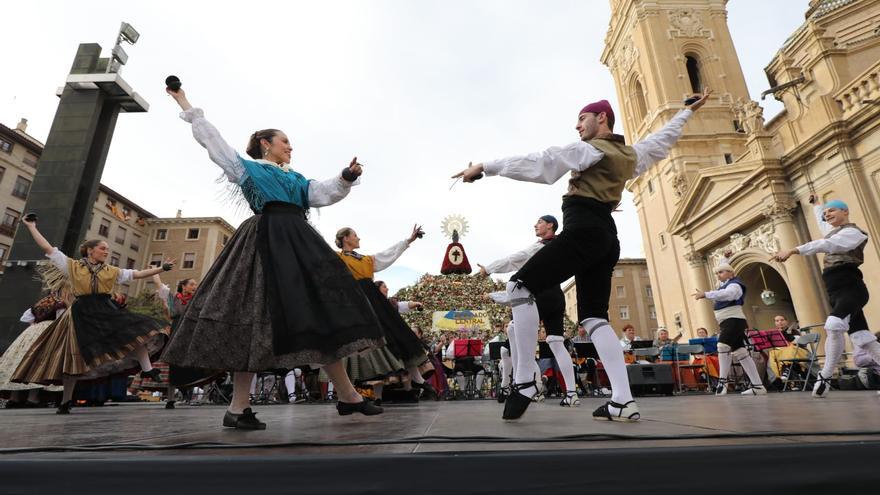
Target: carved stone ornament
column 687, row 23
column 694, row 259
column 625, row 56
column 762, row 238
column 679, row 185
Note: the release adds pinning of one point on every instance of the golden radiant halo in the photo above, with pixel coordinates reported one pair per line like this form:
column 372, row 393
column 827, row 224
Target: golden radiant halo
column 454, row 223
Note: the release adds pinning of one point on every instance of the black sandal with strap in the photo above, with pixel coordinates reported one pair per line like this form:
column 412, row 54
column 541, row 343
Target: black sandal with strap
column 604, row 413
column 517, row 403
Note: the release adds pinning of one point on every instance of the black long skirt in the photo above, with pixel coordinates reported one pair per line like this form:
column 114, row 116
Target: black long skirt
column 399, row 337
column 276, row 297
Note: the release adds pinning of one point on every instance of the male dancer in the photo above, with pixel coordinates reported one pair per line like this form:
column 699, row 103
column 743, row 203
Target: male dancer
column 729, row 299
column 843, row 245
column 550, row 302
column 600, row 165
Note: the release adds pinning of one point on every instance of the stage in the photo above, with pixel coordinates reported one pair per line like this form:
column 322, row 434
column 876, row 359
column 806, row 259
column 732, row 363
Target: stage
column 784, row 441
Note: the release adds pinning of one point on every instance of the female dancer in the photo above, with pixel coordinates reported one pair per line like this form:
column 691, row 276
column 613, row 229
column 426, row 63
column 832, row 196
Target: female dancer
column 844, row 245
column 402, row 350
column 172, row 376
column 277, row 296
column 728, row 302
column 40, row 316
column 95, row 337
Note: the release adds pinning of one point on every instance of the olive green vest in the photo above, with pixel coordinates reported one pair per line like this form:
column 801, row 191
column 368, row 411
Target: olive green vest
column 852, row 257
column 605, row 180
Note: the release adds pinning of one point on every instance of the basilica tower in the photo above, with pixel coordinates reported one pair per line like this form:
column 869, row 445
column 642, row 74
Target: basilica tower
column 660, row 52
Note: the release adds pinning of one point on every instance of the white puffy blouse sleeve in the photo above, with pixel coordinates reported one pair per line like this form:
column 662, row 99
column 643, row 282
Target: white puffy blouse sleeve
column 330, row 191
column 655, row 147
column 548, row 166
column 515, row 261
column 218, row 150
column 27, row 317
column 386, row 258
column 59, row 259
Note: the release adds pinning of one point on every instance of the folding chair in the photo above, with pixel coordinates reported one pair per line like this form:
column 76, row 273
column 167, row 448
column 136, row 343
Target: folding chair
column 810, row 341
column 689, row 350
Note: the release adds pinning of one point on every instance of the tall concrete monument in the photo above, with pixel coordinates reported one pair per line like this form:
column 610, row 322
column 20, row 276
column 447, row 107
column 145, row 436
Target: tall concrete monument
column 66, row 182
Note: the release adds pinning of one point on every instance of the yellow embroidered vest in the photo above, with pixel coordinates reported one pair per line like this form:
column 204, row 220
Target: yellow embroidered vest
column 361, row 267
column 83, row 281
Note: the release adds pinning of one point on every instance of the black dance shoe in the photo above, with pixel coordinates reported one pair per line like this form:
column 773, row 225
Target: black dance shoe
column 64, row 408
column 503, row 392
column 169, row 404
column 153, row 374
column 428, row 391
column 517, row 403
column 247, row 420
column 365, row 407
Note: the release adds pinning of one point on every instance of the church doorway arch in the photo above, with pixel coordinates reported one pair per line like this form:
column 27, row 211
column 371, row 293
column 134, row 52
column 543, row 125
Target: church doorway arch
column 759, row 314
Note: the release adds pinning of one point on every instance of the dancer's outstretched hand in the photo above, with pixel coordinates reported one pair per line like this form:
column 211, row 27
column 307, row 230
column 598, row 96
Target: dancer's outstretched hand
column 702, row 101
column 180, row 97
column 783, row 255
column 470, row 174
column 483, row 272
column 353, row 171
column 417, row 233
column 698, row 294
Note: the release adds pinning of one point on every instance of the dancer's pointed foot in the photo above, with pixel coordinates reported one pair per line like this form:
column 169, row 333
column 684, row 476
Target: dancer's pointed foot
column 517, row 402
column 822, row 387
column 759, row 390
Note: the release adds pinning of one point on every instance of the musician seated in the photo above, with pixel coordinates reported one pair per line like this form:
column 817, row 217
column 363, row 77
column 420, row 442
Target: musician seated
column 702, row 333
column 580, row 336
column 776, row 367
column 462, row 365
column 629, row 336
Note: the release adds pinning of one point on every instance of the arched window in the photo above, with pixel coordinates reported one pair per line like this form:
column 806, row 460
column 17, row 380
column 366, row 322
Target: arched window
column 638, row 97
column 693, row 68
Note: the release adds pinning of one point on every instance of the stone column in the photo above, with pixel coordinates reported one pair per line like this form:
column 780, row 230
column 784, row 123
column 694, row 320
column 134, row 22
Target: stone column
column 806, row 292
column 701, row 310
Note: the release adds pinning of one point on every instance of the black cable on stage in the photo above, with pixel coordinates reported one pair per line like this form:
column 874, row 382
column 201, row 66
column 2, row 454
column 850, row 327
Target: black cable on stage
column 588, row 437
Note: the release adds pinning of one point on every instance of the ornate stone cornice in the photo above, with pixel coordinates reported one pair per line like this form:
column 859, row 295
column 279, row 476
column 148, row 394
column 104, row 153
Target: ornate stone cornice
column 762, row 238
column 779, row 210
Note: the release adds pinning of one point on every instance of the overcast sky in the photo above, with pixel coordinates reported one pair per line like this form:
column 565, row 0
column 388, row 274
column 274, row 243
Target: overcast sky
column 415, row 89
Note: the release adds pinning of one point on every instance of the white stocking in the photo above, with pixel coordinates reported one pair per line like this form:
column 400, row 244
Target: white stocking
column 724, row 361
column 611, row 355
column 748, row 365
column 506, row 367
column 563, row 360
column 525, row 317
column 867, row 341
column 834, row 344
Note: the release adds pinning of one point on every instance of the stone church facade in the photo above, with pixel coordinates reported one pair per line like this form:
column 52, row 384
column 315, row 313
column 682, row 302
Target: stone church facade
column 735, row 183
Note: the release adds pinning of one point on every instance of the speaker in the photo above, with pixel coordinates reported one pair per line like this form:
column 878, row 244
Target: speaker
column 650, row 379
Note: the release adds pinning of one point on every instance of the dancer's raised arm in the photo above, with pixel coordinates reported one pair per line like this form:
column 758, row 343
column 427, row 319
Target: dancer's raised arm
column 38, row 237
column 209, row 137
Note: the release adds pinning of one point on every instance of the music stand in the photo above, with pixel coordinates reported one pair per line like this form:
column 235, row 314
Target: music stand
column 710, row 344
column 641, row 344
column 544, row 351
column 467, row 348
column 766, row 339
column 586, row 350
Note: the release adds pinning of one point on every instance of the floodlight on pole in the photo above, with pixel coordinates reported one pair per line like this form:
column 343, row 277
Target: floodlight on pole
column 128, row 33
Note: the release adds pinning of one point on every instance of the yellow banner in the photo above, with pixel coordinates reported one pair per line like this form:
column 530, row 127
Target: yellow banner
column 460, row 321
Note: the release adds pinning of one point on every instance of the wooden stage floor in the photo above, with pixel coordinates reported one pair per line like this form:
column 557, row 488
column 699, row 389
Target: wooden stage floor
column 682, row 432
